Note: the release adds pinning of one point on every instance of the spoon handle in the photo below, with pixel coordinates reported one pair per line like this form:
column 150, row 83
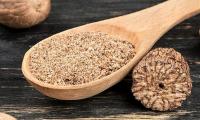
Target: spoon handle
column 172, row 12
column 168, row 14
column 151, row 23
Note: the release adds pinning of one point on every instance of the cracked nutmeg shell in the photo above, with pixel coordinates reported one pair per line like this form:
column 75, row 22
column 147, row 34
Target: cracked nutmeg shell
column 161, row 80
column 23, row 13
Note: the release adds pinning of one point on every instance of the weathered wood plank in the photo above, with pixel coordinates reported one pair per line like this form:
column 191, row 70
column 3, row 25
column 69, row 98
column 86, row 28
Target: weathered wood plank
column 21, row 100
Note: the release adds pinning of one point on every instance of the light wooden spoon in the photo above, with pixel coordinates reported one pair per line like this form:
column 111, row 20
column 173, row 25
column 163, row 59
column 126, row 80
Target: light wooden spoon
column 142, row 29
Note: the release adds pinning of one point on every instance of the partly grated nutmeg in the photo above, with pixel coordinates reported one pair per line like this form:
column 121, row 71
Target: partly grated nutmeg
column 161, row 80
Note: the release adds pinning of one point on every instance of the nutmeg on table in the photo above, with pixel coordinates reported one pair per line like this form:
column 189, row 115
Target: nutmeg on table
column 161, row 80
column 23, row 13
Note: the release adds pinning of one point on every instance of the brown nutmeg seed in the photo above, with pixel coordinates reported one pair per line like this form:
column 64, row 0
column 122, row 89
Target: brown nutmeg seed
column 161, row 80
column 4, row 116
column 23, row 13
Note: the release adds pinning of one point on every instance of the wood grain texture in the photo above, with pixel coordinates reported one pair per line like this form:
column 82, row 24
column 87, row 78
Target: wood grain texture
column 19, row 99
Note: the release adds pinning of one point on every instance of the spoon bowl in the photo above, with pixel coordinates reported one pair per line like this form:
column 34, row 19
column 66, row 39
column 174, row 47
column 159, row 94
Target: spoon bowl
column 142, row 29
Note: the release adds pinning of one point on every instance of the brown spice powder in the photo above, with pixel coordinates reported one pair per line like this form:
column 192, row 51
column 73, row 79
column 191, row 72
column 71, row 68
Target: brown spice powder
column 79, row 58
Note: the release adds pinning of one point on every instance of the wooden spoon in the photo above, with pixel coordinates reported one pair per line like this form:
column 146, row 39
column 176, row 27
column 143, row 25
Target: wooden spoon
column 142, row 29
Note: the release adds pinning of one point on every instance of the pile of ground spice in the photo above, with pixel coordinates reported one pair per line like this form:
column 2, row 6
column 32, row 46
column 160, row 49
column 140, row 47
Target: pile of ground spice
column 79, row 58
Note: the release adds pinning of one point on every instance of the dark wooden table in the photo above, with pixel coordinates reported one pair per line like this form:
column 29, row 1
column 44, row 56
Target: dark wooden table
column 21, row 100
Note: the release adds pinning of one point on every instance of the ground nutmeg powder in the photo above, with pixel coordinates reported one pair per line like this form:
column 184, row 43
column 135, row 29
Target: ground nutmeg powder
column 79, row 58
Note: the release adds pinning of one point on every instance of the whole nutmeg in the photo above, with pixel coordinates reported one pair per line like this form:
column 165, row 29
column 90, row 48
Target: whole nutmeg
column 4, row 116
column 23, row 13
column 199, row 31
column 161, row 80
